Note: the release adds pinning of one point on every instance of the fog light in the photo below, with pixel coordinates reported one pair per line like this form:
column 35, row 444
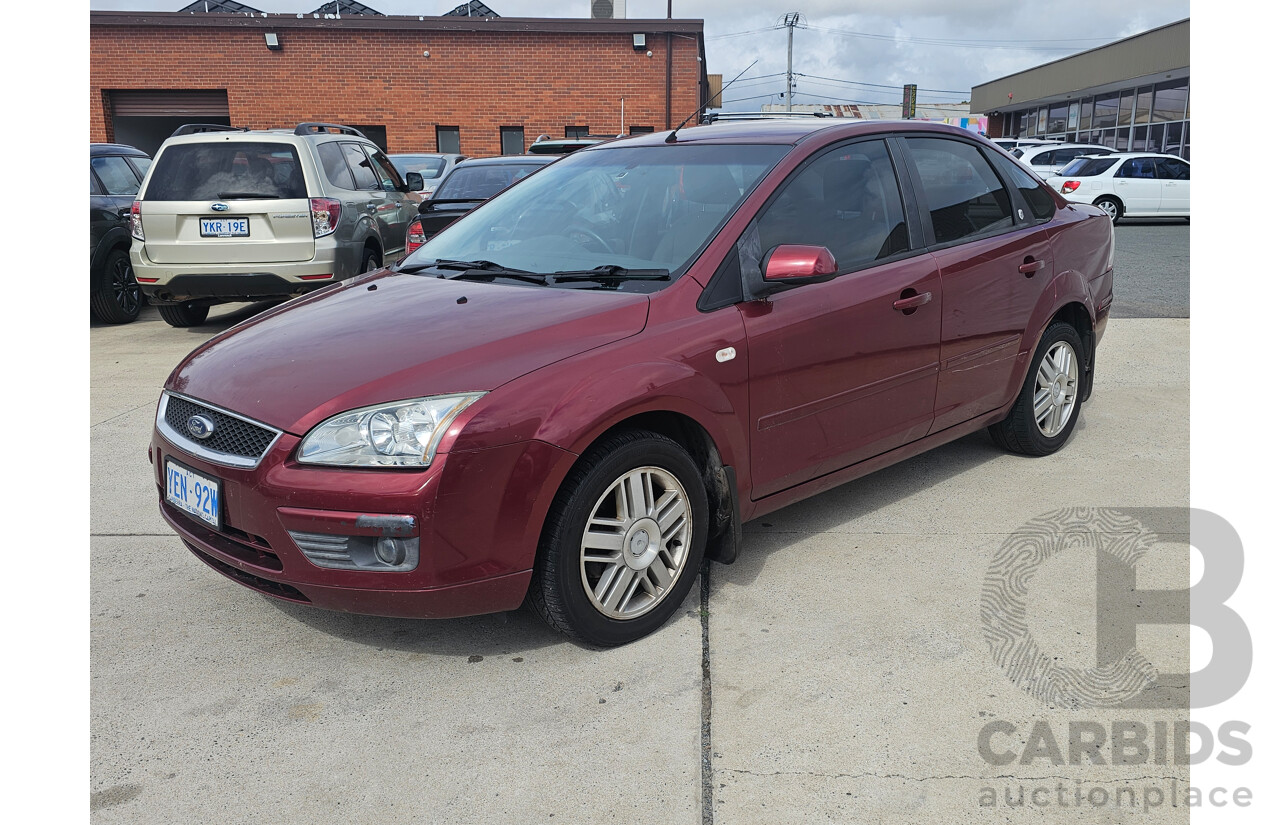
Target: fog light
column 389, row 551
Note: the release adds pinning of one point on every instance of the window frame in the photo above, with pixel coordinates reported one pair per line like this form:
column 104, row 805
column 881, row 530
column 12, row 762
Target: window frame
column 926, row 220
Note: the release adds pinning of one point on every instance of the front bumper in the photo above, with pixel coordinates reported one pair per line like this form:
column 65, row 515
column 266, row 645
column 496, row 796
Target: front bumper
column 478, row 515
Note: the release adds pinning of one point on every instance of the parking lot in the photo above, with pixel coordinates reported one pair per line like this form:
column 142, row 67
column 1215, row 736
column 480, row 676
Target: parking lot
column 837, row 672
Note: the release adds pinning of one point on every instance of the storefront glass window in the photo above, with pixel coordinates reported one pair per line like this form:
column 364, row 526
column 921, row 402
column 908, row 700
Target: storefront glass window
column 1143, row 112
column 1172, row 138
column 1104, row 111
column 1126, row 108
column 1170, row 101
column 1057, row 119
column 1086, row 113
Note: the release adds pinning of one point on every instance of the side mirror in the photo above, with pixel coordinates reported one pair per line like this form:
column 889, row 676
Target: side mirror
column 791, row 265
column 414, row 181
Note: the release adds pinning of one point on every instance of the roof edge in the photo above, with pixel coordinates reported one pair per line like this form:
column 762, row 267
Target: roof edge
column 300, row 20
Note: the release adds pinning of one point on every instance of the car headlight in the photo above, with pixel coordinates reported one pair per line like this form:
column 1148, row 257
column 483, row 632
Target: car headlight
column 396, row 434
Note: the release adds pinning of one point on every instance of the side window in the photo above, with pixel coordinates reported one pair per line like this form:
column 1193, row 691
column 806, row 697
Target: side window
column 1170, row 169
column 141, row 165
column 387, row 174
column 1033, row 189
column 94, row 189
column 335, row 168
column 964, row 196
column 360, row 166
column 1043, row 158
column 116, row 175
column 1137, row 168
column 846, row 200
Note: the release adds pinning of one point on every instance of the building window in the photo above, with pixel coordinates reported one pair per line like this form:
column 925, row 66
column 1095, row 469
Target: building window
column 640, row 130
column 1086, row 114
column 1057, row 120
column 375, row 132
column 1126, row 108
column 448, row 140
column 1104, row 111
column 1172, row 139
column 1143, row 113
column 512, row 139
column 576, row 132
column 1170, row 101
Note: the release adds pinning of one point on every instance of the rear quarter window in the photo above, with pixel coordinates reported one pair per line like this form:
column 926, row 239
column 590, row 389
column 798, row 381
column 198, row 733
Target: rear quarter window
column 227, row 170
column 1088, row 167
column 1033, row 190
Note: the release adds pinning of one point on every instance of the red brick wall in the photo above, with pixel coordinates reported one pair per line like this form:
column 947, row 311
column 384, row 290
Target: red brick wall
column 477, row 81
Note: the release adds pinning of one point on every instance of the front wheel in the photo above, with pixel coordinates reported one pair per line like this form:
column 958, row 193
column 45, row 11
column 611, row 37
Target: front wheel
column 183, row 315
column 623, row 541
column 1048, row 405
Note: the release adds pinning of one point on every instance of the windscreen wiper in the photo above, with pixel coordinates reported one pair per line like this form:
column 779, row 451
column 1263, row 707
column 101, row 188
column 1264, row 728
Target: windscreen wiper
column 609, row 273
column 477, row 270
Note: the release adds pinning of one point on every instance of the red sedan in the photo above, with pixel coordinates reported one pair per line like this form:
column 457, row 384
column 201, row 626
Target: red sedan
column 582, row 388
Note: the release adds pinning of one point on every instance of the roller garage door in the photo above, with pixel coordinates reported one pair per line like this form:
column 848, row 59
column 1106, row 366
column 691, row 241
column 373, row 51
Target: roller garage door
column 145, row 117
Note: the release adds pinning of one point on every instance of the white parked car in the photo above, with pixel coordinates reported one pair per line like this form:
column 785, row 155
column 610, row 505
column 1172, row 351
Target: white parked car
column 1129, row 184
column 432, row 167
column 1046, row 161
column 1009, row 144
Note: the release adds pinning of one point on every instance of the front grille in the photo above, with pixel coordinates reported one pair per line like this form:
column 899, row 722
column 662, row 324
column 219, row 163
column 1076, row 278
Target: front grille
column 233, row 437
column 235, row 543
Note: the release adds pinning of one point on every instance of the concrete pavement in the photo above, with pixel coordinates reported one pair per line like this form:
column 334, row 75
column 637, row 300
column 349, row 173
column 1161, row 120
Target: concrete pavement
column 849, row 679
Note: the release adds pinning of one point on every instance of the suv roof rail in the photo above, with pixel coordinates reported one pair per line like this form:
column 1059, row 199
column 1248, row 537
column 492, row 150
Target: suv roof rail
column 197, row 128
column 319, row 128
column 712, row 117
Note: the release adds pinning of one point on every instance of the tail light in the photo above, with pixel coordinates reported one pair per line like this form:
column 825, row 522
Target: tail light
column 135, row 221
column 415, row 237
column 1070, row 186
column 324, row 216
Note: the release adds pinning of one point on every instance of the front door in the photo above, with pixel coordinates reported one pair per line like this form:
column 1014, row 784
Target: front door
column 1138, row 187
column 838, row 373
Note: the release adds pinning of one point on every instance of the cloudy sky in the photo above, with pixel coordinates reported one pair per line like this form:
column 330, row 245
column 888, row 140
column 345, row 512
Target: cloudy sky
column 943, row 46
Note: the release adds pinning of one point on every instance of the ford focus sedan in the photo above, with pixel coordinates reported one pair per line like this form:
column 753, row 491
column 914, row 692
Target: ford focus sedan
column 581, row 389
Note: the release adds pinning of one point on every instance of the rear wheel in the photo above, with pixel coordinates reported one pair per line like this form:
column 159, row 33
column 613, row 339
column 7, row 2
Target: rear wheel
column 117, row 298
column 370, row 261
column 1048, row 405
column 623, row 542
column 1113, row 208
column 183, row 315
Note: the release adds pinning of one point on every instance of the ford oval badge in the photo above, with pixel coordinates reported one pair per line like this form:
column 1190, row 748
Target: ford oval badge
column 200, row 426
column 220, row 207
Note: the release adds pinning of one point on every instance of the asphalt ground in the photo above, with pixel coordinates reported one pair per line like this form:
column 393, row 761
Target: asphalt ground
column 1153, row 269
column 840, row 671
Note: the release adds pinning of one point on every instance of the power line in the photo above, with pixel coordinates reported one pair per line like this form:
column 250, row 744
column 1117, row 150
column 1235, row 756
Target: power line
column 741, row 34
column 966, row 44
column 882, row 85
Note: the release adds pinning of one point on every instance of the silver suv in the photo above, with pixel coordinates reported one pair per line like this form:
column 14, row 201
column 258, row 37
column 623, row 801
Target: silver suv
column 229, row 214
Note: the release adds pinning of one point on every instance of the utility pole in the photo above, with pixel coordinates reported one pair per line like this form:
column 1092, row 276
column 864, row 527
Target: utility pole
column 790, row 22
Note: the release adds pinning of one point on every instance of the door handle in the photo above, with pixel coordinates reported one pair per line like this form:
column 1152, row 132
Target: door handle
column 1031, row 267
column 912, row 301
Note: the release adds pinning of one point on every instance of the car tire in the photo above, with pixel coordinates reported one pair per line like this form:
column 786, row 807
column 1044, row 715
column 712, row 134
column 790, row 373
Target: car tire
column 1113, row 207
column 116, row 298
column 1048, row 404
column 370, row 260
column 610, row 571
column 183, row 315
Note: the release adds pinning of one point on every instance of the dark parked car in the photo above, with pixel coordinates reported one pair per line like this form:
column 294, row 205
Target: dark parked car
column 582, row 388
column 471, row 183
column 115, row 172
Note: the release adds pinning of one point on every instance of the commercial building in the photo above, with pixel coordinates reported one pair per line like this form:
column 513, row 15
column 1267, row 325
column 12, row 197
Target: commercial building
column 1131, row 95
column 455, row 83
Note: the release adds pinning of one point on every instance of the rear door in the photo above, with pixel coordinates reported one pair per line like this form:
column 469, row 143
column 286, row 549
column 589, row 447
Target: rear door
column 228, row 202
column 838, row 372
column 113, row 185
column 1138, row 187
column 1175, row 186
column 981, row 246
column 395, row 208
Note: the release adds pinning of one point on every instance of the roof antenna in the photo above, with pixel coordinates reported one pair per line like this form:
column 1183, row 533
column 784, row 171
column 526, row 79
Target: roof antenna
column 671, row 138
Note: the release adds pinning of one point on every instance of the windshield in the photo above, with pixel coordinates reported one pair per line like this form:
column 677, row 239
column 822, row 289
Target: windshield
column 426, row 166
column 639, row 208
column 1087, row 167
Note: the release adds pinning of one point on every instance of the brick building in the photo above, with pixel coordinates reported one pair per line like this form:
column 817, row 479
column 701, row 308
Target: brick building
column 466, row 84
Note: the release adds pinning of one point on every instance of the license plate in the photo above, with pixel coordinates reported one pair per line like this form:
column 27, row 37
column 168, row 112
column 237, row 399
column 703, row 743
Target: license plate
column 224, row 227
column 193, row 493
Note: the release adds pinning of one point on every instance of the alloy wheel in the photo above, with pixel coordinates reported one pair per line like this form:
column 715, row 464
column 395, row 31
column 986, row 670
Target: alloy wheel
column 1057, row 382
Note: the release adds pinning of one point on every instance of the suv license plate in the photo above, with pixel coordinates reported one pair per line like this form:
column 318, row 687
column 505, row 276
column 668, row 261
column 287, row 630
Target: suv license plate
column 193, row 493
column 224, row 227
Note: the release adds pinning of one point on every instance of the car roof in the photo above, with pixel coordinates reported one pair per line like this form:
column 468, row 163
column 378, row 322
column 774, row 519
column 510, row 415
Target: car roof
column 100, row 149
column 1071, row 146
column 784, row 131
column 500, row 160
column 1146, row 155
